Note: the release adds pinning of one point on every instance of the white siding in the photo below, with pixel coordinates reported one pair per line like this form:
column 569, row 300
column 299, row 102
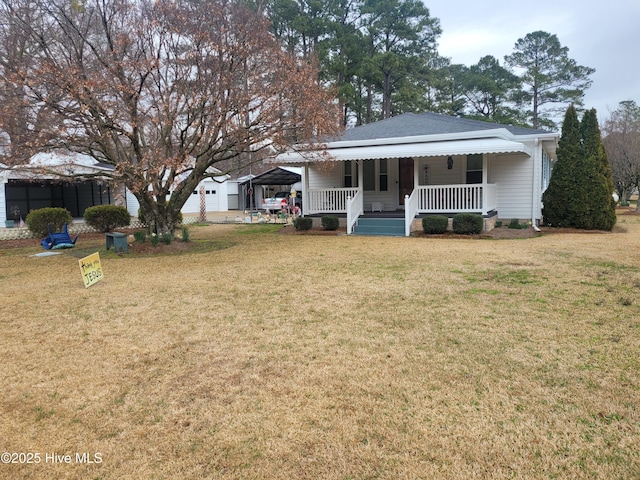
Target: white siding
column 233, row 196
column 439, row 174
column 232, row 187
column 215, row 202
column 132, row 203
column 513, row 175
column 192, row 205
column 326, row 179
column 215, row 198
column 223, row 197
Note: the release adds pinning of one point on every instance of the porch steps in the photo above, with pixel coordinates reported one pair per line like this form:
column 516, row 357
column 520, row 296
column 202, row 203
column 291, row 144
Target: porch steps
column 388, row 227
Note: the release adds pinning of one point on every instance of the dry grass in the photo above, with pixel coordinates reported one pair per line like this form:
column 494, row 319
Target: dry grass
column 333, row 357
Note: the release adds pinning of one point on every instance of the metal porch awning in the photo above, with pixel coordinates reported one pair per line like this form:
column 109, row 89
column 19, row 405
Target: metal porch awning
column 276, row 176
column 421, row 149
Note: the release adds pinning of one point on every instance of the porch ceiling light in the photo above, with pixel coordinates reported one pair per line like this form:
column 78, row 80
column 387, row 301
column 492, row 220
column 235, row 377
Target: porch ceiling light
column 449, row 162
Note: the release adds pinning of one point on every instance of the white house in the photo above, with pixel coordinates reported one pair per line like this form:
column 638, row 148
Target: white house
column 418, row 164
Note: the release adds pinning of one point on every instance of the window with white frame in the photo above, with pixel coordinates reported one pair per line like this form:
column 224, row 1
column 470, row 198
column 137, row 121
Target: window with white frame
column 383, row 175
column 375, row 175
column 474, row 168
column 350, row 174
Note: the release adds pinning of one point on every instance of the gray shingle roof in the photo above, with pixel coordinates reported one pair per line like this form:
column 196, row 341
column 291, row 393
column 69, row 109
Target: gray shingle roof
column 412, row 124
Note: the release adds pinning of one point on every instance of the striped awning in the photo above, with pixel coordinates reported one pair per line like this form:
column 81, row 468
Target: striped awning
column 414, row 150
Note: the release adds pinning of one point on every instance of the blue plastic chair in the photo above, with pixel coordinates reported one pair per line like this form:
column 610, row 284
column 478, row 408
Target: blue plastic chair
column 58, row 239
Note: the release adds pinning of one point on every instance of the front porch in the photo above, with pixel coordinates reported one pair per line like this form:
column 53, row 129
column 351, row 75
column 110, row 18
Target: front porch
column 427, row 199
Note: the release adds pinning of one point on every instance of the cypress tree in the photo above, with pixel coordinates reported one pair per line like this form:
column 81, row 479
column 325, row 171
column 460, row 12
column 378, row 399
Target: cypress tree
column 587, row 179
column 600, row 187
column 581, row 185
column 561, row 198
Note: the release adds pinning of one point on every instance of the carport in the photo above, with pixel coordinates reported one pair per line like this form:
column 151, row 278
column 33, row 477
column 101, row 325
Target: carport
column 276, row 179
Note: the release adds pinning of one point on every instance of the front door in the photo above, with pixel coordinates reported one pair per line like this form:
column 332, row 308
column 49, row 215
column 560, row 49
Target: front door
column 405, row 178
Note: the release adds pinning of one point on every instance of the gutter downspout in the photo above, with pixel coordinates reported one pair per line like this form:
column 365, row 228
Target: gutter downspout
column 536, row 196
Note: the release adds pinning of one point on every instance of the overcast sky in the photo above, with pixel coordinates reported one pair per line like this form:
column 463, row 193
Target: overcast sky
column 601, row 35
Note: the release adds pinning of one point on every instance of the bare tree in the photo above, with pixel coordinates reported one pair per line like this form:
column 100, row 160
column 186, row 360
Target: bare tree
column 161, row 91
column 622, row 143
column 15, row 53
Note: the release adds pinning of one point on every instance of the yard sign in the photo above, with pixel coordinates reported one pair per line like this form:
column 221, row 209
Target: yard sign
column 91, row 269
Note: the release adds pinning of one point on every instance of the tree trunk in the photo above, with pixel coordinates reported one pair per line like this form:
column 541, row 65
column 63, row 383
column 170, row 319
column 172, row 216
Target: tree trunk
column 159, row 217
column 386, row 96
column 534, row 119
column 369, row 111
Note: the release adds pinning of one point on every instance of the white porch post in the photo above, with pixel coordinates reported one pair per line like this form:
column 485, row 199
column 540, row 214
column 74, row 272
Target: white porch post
column 485, row 174
column 3, row 201
column 360, row 175
column 416, row 173
column 305, row 189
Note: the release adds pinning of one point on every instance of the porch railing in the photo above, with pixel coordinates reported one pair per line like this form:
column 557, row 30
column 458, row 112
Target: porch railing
column 355, row 208
column 411, row 206
column 330, row 200
column 424, row 199
column 456, row 198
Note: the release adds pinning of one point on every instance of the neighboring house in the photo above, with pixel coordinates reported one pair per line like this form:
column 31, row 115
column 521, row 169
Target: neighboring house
column 43, row 185
column 23, row 190
column 417, row 164
column 213, row 192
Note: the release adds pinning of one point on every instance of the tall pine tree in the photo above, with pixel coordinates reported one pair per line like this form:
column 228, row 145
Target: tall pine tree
column 548, row 75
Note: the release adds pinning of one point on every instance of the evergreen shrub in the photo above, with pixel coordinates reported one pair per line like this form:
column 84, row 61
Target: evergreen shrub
column 37, row 220
column 140, row 236
column 515, row 223
column 467, row 223
column 330, row 222
column 601, row 205
column 581, row 185
column 435, row 224
column 105, row 218
column 303, row 223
